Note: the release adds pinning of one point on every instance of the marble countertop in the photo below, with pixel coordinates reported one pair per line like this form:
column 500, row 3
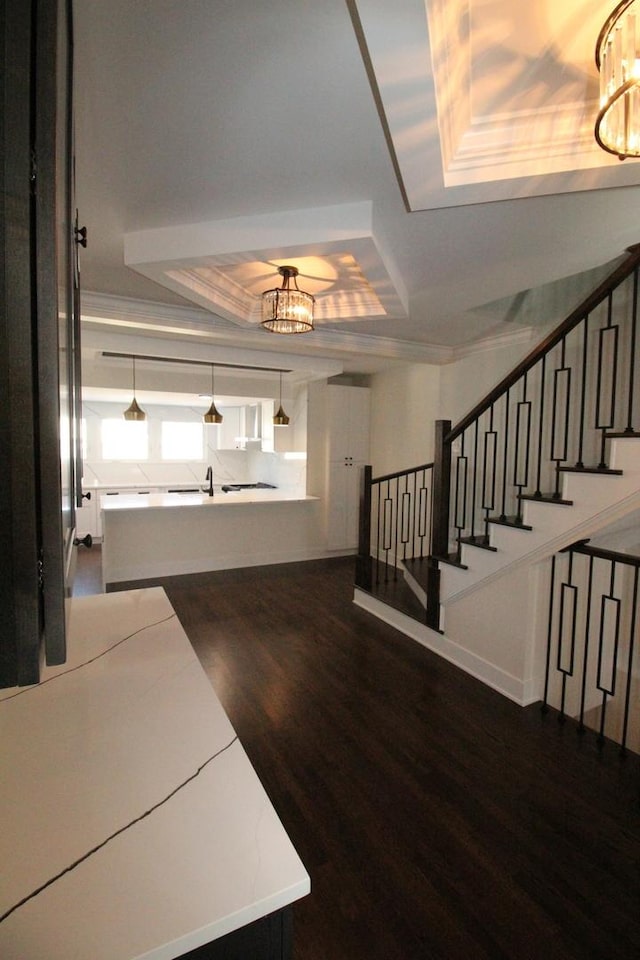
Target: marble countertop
column 133, row 824
column 146, row 501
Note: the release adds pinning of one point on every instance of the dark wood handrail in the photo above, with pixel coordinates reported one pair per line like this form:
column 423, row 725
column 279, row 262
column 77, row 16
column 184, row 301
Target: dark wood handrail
column 615, row 556
column 615, row 278
column 402, row 473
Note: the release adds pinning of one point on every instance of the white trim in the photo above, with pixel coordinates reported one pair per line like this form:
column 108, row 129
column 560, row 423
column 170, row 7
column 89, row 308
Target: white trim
column 128, row 316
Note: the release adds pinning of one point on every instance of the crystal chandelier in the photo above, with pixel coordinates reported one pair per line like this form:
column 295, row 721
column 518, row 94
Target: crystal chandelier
column 618, row 60
column 287, row 309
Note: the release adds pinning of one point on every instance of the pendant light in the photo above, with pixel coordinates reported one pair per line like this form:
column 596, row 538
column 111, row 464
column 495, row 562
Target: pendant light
column 133, row 411
column 287, row 309
column 280, row 418
column 212, row 415
column 618, row 60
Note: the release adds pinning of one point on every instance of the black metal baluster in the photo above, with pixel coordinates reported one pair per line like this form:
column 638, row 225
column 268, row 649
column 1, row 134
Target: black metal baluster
column 561, row 375
column 632, row 358
column 583, row 393
column 405, row 524
column 568, row 590
column 552, row 587
column 489, row 473
column 378, row 513
column 395, row 547
column 461, row 496
column 611, row 690
column 521, row 470
column 422, row 518
column 543, row 374
column 503, row 515
column 414, row 515
column 587, row 631
column 611, row 333
column 632, row 636
column 474, row 473
column 387, row 530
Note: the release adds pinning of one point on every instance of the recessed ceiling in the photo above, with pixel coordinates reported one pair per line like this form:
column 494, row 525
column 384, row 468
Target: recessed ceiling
column 225, row 266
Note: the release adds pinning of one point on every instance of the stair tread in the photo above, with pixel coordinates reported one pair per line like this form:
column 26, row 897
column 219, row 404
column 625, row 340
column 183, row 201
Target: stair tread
column 452, row 560
column 622, row 434
column 546, row 498
column 606, row 471
column 510, row 522
column 481, row 542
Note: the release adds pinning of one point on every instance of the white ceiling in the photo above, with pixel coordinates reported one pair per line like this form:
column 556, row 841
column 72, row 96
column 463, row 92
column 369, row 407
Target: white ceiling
column 430, row 162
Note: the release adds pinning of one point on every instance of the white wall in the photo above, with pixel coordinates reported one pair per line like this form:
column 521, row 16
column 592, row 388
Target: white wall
column 407, row 400
column 404, row 405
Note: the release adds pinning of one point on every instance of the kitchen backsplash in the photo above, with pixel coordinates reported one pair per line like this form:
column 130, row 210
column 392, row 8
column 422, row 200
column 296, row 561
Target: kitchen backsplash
column 229, row 466
column 249, row 465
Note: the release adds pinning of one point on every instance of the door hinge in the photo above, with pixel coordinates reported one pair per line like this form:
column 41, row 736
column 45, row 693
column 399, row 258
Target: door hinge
column 41, row 571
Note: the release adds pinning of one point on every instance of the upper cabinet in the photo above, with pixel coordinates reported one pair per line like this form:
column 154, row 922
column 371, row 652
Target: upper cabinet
column 230, row 434
column 348, row 423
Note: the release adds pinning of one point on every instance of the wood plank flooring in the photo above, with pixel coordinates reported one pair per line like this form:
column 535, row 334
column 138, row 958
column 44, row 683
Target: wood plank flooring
column 438, row 821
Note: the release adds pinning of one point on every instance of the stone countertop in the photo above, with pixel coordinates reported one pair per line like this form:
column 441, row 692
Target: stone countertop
column 133, row 824
column 142, row 501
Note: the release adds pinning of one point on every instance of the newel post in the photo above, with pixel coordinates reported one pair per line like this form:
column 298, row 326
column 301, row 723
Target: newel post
column 441, row 490
column 363, row 560
column 439, row 520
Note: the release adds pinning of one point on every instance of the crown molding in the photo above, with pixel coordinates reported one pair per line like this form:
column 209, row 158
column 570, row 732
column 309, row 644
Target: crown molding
column 147, row 318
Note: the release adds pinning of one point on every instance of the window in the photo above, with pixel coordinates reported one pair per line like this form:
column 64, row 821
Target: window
column 181, row 441
column 125, row 440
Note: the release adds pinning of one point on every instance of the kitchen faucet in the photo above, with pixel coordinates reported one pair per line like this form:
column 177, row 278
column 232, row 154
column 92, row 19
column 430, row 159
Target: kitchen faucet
column 209, row 479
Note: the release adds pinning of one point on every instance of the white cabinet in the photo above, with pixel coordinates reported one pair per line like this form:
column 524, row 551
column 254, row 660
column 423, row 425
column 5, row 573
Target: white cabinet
column 348, row 451
column 86, row 516
column 230, row 434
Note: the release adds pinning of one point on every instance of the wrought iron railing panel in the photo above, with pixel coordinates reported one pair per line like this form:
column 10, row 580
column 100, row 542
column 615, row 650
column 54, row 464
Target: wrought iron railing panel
column 592, row 671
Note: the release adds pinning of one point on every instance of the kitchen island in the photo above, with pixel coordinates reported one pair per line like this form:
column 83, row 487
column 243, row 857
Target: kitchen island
column 133, row 824
column 155, row 535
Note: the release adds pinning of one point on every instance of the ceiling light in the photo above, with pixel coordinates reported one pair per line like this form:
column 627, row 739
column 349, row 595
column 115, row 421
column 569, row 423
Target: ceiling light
column 287, row 309
column 133, row 411
column 212, row 415
column 280, row 419
column 618, row 60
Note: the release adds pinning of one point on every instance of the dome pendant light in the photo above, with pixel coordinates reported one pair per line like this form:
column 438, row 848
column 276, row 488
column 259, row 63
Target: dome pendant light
column 212, row 415
column 280, row 419
column 133, row 411
column 617, row 127
column 287, row 309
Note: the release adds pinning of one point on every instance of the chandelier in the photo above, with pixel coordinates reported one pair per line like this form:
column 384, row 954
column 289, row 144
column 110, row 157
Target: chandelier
column 287, row 309
column 618, row 60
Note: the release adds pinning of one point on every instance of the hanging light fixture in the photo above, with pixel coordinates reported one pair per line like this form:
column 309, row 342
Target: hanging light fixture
column 280, row 419
column 618, row 59
column 133, row 411
column 287, row 309
column 212, row 415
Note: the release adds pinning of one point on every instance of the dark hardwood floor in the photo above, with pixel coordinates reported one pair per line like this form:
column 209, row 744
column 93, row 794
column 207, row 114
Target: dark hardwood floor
column 438, row 820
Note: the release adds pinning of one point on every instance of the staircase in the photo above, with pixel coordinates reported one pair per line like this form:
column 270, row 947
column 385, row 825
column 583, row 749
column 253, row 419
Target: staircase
column 550, row 457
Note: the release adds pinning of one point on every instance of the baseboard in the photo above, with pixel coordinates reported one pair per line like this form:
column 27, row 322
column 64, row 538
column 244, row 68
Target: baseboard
column 522, row 692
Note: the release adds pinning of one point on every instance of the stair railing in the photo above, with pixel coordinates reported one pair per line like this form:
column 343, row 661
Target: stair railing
column 395, row 522
column 555, row 411
column 593, row 659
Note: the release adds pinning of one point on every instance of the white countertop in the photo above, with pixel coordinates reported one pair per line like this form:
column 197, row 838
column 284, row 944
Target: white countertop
column 145, row 501
column 133, row 824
